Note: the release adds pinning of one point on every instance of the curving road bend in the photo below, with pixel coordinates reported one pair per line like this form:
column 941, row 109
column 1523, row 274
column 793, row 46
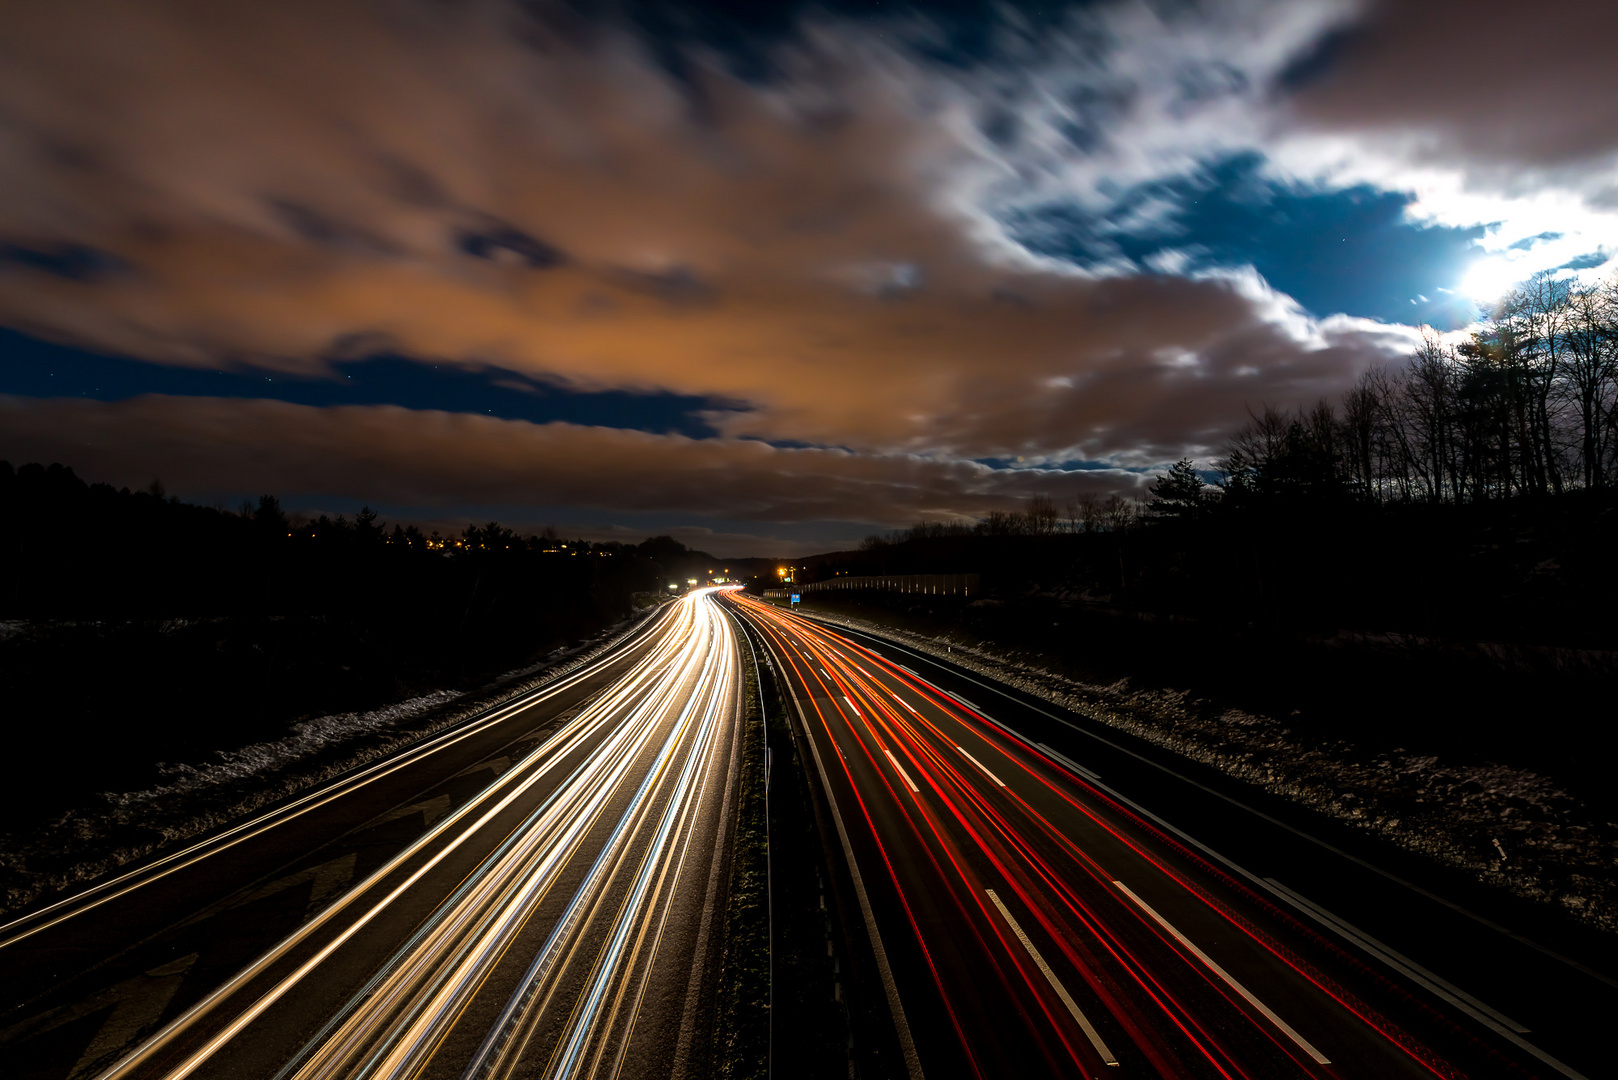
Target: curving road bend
column 1035, row 923
column 529, row 894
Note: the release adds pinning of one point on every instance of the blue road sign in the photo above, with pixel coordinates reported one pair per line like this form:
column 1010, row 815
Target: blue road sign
column 797, row 598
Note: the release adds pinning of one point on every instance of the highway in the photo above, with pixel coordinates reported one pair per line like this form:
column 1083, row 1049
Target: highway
column 1031, row 920
column 534, row 893
column 531, row 893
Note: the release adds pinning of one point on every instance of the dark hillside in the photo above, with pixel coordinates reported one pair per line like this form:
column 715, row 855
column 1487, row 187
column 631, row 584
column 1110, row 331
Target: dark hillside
column 140, row 629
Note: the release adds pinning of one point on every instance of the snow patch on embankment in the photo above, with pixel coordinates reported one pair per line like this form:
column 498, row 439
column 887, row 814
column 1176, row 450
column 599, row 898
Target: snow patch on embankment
column 1507, row 826
column 119, row 828
column 308, row 738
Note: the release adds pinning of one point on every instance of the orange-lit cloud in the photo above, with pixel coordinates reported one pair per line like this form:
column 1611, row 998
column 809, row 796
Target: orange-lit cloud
column 477, row 183
column 437, row 459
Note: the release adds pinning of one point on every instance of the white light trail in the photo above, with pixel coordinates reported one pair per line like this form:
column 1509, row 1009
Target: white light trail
column 641, row 756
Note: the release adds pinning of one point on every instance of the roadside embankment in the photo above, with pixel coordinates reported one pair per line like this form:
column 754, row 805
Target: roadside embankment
column 109, row 830
column 1444, row 797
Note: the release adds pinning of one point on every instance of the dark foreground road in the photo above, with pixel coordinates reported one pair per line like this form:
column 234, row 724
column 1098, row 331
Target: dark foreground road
column 532, row 893
column 536, row 893
column 1033, row 919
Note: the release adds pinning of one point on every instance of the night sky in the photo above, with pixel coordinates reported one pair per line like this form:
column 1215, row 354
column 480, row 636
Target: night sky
column 767, row 278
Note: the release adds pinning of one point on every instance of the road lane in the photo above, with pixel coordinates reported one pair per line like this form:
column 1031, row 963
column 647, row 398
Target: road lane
column 1548, row 985
column 1182, row 969
column 548, row 915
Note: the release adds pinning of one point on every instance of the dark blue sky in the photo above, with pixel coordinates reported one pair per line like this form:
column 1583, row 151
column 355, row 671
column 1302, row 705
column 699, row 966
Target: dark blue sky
column 30, row 367
column 953, row 32
column 1350, row 250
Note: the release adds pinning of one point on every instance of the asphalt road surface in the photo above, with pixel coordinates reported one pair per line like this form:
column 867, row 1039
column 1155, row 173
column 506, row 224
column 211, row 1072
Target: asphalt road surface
column 536, row 893
column 1033, row 919
column 532, row 893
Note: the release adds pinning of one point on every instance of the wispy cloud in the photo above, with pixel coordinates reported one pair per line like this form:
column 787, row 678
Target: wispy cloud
column 509, row 186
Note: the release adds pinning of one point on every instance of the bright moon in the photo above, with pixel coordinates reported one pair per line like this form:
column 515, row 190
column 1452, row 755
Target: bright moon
column 1490, row 278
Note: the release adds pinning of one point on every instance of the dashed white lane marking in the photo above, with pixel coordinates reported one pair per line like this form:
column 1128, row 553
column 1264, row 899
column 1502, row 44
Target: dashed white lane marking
column 1230, row 979
column 981, row 766
column 1056, row 984
column 901, row 770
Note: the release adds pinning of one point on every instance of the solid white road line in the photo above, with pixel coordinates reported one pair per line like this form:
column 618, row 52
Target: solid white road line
column 1230, row 979
column 1457, row 908
column 554, row 749
column 1343, row 930
column 907, row 1044
column 1511, row 1036
column 1056, row 984
column 981, row 766
column 1497, row 1022
column 1015, row 734
column 1396, row 960
column 911, row 783
column 75, row 905
column 1063, row 759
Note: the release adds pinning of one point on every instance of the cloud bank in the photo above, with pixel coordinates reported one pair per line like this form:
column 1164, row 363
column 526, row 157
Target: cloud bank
column 491, row 184
column 439, row 459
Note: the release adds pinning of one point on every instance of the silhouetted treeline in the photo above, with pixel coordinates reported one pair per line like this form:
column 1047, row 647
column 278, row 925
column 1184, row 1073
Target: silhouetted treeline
column 1469, row 493
column 1527, row 406
column 77, row 550
column 138, row 628
column 1530, row 569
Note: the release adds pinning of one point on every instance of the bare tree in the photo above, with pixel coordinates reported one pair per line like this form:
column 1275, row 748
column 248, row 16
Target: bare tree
column 1253, row 449
column 1362, row 415
column 1002, row 523
column 1090, row 513
column 1041, row 517
column 1119, row 514
column 1535, row 318
column 1528, row 405
column 1431, row 395
column 1591, row 371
